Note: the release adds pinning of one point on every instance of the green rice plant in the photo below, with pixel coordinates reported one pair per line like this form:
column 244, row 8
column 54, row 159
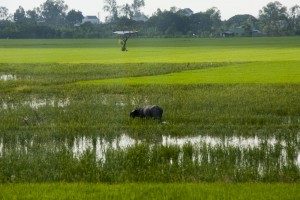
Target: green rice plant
column 256, row 72
column 77, row 89
column 150, row 191
column 150, row 50
column 35, row 160
column 188, row 110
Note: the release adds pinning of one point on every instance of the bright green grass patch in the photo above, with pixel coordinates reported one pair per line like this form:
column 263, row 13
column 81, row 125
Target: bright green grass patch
column 150, row 50
column 220, row 191
column 257, row 72
column 145, row 55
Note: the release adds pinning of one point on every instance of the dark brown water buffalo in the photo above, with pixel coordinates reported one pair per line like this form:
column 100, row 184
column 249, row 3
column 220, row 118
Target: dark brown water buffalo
column 149, row 111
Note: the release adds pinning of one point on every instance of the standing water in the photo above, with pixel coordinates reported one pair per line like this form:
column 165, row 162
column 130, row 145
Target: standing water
column 100, row 146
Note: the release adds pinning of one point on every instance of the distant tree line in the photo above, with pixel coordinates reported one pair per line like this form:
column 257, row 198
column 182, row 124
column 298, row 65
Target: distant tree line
column 52, row 19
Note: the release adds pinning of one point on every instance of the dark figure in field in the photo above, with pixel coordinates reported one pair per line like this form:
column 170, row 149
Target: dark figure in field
column 123, row 43
column 149, row 111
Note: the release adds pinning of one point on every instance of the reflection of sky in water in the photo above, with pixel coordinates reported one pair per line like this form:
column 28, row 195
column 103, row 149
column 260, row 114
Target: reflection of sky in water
column 101, row 145
column 7, row 77
column 36, row 103
column 83, row 144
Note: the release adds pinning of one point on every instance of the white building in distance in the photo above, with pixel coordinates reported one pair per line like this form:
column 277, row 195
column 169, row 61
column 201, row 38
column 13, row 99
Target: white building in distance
column 91, row 19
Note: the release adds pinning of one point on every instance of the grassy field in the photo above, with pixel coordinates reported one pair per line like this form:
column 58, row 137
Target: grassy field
column 257, row 72
column 150, row 51
column 220, row 191
column 56, row 93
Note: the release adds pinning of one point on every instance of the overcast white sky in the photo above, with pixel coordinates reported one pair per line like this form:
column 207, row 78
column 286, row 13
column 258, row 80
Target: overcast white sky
column 228, row 8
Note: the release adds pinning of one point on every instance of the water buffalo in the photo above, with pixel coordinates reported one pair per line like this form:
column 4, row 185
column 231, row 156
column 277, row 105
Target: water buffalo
column 149, row 111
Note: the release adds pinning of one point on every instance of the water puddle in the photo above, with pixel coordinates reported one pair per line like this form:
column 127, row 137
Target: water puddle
column 100, row 146
column 234, row 141
column 8, row 77
column 122, row 101
column 83, row 144
column 36, row 103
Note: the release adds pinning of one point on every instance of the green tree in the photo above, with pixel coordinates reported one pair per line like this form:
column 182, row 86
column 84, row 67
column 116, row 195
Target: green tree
column 54, row 12
column 247, row 22
column 33, row 16
column 274, row 19
column 127, row 11
column 9, row 30
column 169, row 23
column 200, row 24
column 137, row 5
column 294, row 17
column 3, row 13
column 20, row 16
column 239, row 20
column 74, row 17
column 215, row 17
column 111, row 7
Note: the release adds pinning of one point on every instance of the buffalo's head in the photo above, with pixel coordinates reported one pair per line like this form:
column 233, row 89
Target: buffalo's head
column 135, row 113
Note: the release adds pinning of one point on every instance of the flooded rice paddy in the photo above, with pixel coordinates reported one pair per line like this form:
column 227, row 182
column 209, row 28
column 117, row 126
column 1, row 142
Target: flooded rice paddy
column 286, row 152
column 66, row 136
column 84, row 144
